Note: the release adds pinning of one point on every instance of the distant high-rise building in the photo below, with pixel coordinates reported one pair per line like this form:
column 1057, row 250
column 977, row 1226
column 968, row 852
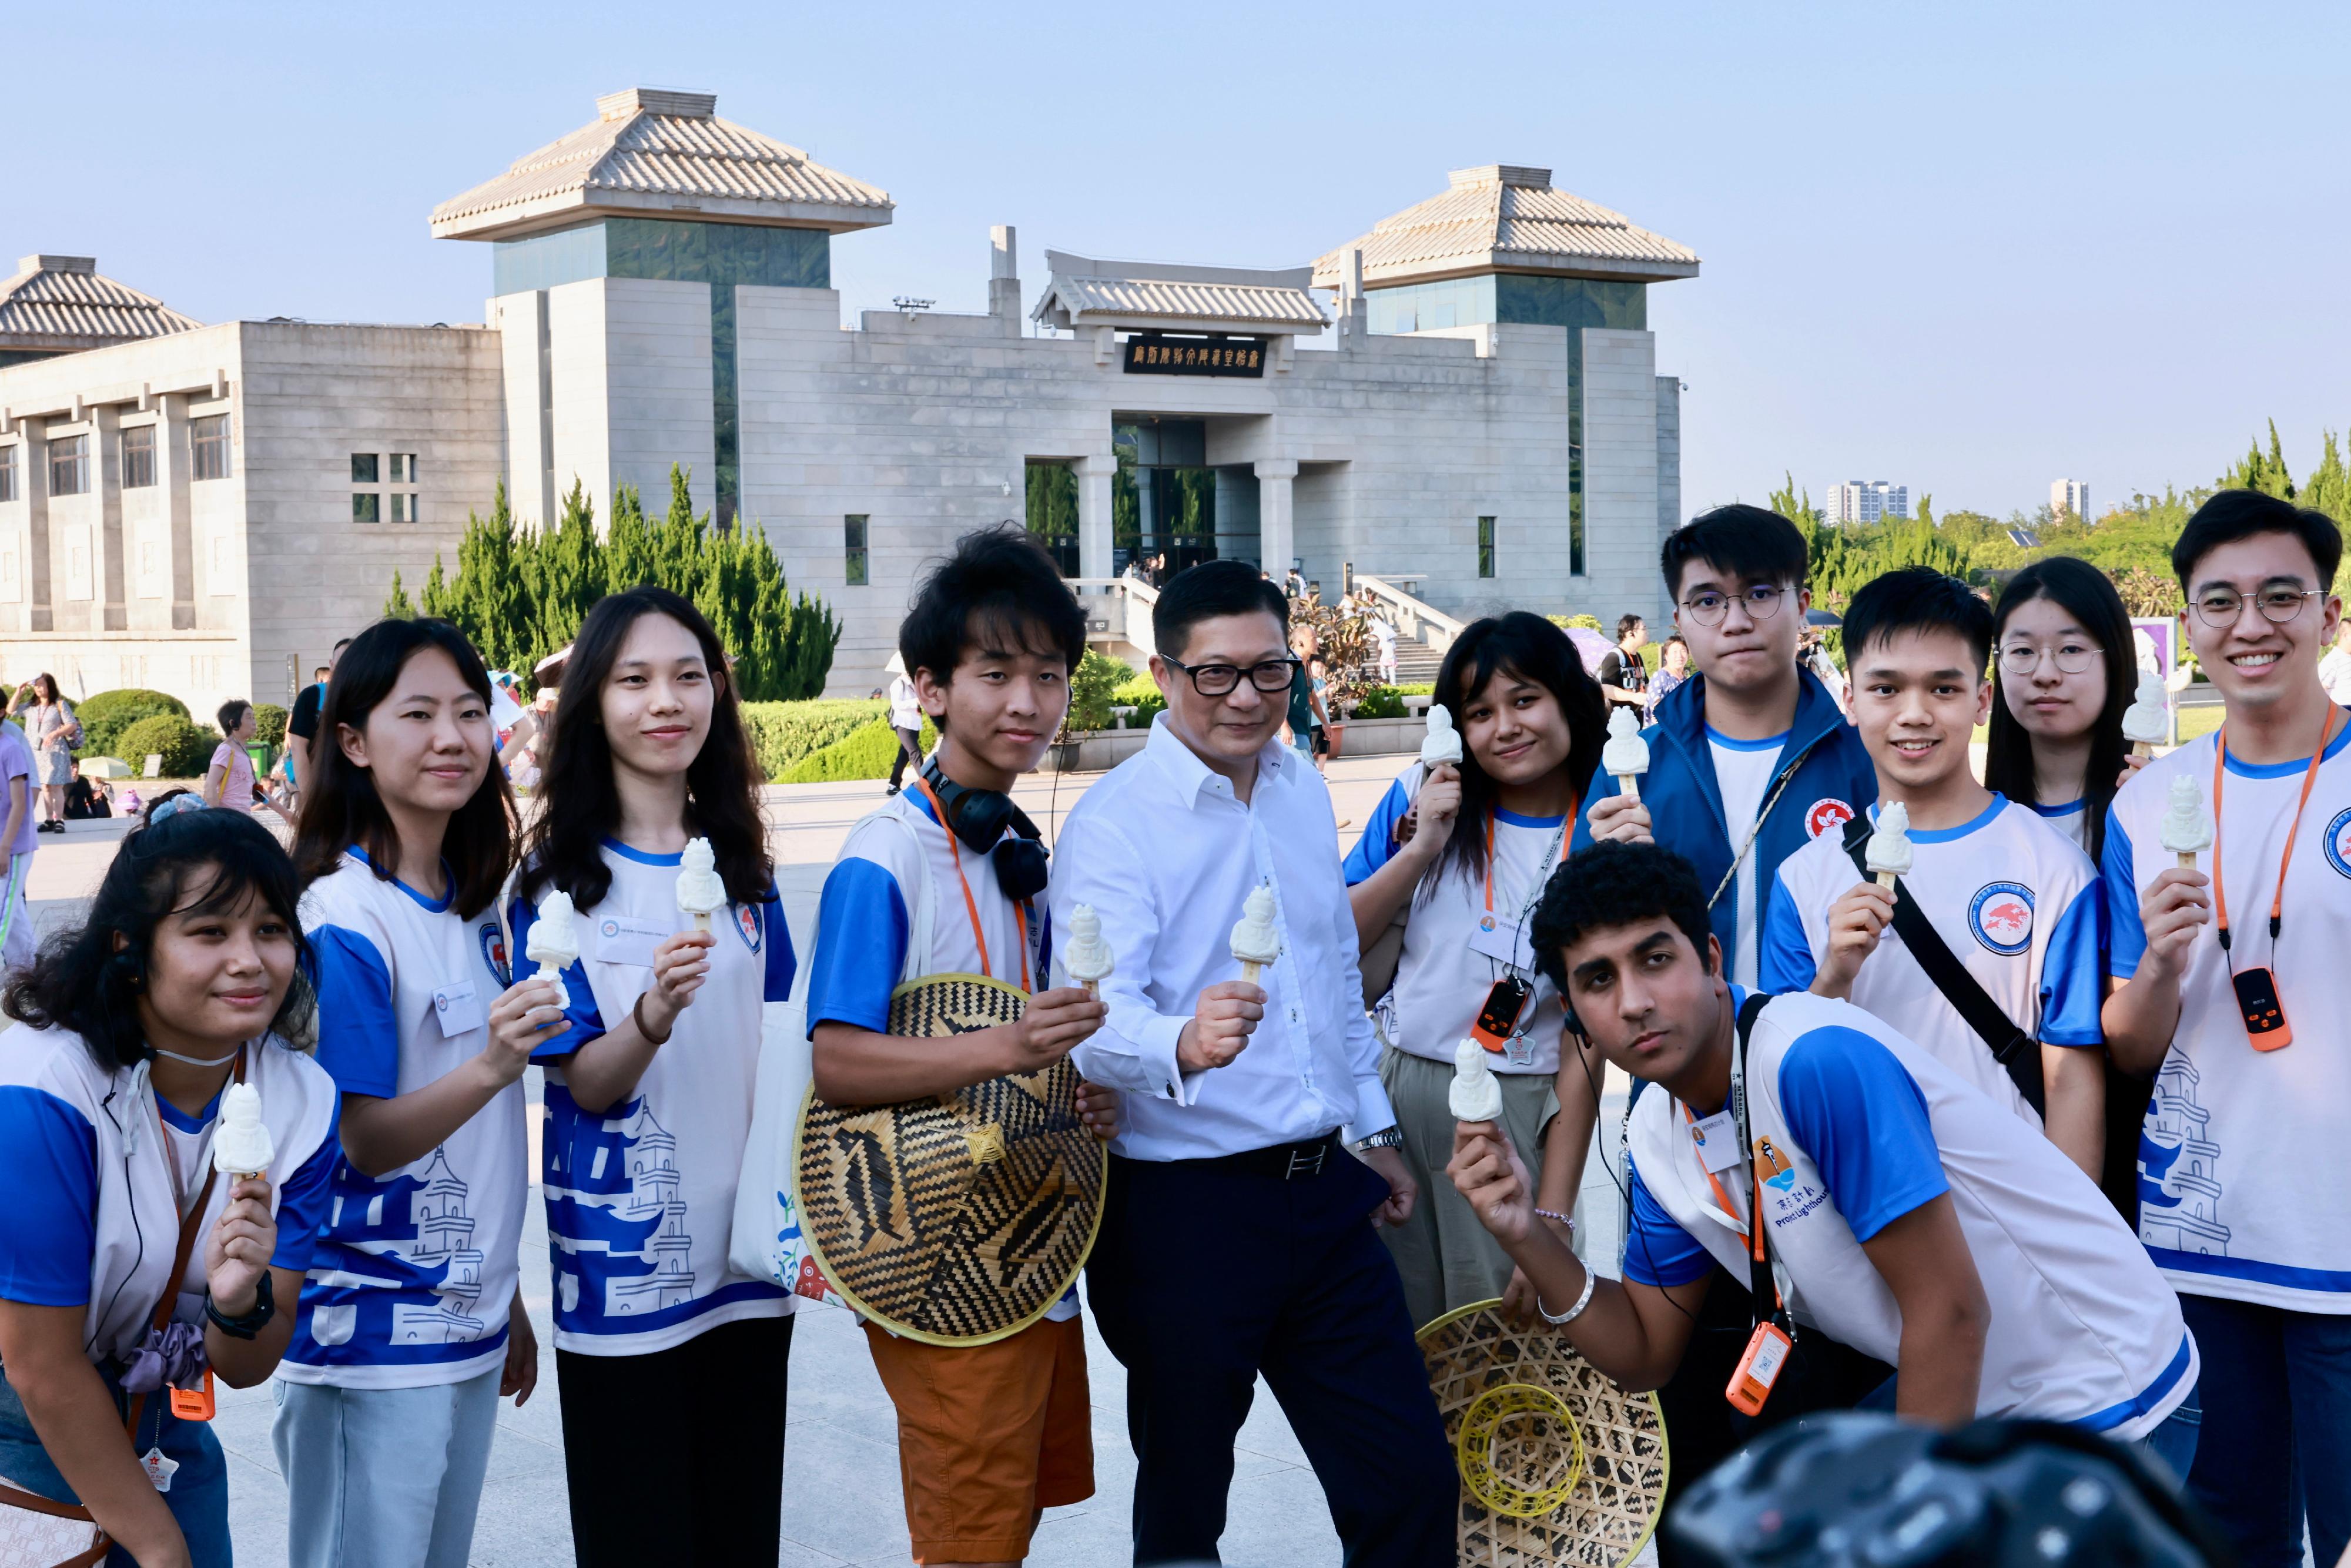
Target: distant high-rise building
column 1866, row 501
column 2069, row 496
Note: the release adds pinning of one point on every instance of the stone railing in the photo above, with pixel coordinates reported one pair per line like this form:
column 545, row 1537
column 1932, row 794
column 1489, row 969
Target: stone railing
column 1413, row 618
column 1118, row 609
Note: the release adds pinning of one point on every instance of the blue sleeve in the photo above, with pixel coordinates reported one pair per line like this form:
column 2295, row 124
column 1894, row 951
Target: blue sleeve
column 783, row 963
column 1659, row 1251
column 585, row 1021
column 2074, row 972
column 2126, row 938
column 358, row 1033
column 48, row 1166
column 1378, row 842
column 861, row 947
column 302, row 1201
column 1864, row 1120
column 1785, row 963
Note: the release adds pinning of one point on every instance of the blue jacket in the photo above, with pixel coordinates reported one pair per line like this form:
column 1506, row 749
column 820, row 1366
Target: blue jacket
column 1832, row 777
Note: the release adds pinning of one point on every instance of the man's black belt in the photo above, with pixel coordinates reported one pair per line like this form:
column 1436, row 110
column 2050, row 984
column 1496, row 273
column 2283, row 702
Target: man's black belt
column 1283, row 1162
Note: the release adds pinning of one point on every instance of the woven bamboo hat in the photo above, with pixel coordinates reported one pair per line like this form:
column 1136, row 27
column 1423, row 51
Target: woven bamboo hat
column 961, row 1219
column 1558, row 1464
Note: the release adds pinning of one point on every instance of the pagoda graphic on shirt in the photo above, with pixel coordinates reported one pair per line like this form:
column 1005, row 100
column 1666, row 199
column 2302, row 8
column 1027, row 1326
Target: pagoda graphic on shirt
column 444, row 1241
column 616, row 1214
column 2178, row 1194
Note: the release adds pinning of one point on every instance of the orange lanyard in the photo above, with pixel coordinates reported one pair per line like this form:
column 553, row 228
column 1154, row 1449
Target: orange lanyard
column 2309, row 777
column 970, row 904
column 1754, row 1210
column 1573, row 805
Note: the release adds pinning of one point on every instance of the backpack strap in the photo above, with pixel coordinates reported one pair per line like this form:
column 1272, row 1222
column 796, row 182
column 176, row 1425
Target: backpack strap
column 1760, row 1287
column 2014, row 1050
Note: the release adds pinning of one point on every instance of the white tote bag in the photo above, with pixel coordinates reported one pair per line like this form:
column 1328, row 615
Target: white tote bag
column 765, row 1241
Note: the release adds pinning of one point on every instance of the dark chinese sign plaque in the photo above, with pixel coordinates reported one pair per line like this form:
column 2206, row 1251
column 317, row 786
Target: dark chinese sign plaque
column 1158, row 354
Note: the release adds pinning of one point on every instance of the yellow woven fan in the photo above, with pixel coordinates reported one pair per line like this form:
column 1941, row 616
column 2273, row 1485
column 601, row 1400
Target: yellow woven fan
column 1558, row 1464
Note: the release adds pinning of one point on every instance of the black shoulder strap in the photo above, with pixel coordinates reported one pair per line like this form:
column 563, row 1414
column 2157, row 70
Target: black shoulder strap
column 2009, row 1046
column 1763, row 1291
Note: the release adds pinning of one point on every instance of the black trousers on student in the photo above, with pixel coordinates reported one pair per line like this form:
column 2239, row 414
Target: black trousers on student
column 677, row 1455
column 909, row 751
column 1204, row 1277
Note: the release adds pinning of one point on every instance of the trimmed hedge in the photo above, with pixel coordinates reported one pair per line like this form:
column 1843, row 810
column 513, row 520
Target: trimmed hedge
column 1387, row 702
column 269, row 723
column 185, row 749
column 782, row 734
column 865, row 753
column 106, row 714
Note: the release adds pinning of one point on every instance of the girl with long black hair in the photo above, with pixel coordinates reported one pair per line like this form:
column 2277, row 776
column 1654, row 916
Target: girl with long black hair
column 1458, row 855
column 412, row 1326
column 2063, row 669
column 185, row 978
column 672, row 1365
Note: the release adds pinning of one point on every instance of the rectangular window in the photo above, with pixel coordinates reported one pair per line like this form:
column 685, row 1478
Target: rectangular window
column 367, row 508
column 1485, row 546
column 69, row 465
column 403, row 508
column 364, row 468
column 403, row 467
column 138, row 457
column 8, row 473
column 209, row 435
column 853, row 536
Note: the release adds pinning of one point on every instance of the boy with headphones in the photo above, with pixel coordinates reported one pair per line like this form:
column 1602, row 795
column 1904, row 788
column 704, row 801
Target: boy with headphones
column 989, row 1435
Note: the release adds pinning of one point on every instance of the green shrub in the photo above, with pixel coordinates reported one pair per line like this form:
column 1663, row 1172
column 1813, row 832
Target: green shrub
column 269, row 725
column 1142, row 695
column 1589, row 623
column 784, row 733
column 865, row 753
column 1094, row 687
column 106, row 714
column 185, row 749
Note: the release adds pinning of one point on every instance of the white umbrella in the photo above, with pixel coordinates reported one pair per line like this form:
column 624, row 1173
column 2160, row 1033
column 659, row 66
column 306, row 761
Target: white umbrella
column 896, row 665
column 105, row 767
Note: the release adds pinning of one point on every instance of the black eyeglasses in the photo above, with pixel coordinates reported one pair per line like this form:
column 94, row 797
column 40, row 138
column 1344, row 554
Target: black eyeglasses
column 2221, row 608
column 1763, row 603
column 1219, row 680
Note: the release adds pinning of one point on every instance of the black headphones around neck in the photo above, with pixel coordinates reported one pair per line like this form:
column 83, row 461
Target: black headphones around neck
column 978, row 818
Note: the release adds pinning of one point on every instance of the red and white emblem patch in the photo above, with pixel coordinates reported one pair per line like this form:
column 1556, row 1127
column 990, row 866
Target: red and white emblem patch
column 1827, row 813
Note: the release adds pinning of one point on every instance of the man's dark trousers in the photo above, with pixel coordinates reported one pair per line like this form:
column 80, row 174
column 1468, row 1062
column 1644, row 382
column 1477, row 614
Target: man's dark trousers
column 1204, row 1277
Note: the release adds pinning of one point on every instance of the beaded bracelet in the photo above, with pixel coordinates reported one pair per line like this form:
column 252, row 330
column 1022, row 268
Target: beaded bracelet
column 1566, row 1220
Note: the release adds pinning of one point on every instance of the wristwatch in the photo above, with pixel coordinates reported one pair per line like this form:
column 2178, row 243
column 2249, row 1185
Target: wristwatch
column 1386, row 1138
column 265, row 1307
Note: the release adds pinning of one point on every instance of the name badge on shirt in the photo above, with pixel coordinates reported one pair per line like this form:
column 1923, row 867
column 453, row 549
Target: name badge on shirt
column 1505, row 941
column 1717, row 1141
column 459, row 1008
column 627, row 941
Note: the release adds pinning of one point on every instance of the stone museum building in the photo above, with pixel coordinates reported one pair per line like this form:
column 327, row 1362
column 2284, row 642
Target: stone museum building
column 1464, row 399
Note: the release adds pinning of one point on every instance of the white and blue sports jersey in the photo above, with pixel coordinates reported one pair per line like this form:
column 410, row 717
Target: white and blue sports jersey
column 1440, row 983
column 1854, row 1126
column 641, row 1198
column 2017, row 904
column 2072, row 819
column 896, row 871
column 417, row 1269
column 2242, row 1163
column 93, row 1221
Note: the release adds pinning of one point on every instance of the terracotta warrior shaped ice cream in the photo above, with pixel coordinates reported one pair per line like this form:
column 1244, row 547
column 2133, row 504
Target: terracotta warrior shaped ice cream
column 701, row 891
column 1255, row 941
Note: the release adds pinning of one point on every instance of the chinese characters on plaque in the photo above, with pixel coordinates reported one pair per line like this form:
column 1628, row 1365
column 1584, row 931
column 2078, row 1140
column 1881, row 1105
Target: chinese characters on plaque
column 1157, row 354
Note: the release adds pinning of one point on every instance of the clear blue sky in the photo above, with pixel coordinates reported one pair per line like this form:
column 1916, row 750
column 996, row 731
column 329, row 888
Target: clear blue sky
column 1966, row 247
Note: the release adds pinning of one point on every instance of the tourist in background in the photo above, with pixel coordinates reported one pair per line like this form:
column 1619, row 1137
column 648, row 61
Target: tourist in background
column 87, row 798
column 1383, row 634
column 388, row 1394
column 302, row 724
column 186, row 975
column 228, row 778
column 663, row 1032
column 906, row 720
column 1623, row 678
column 2244, row 1157
column 1672, row 669
column 50, row 725
column 1305, row 701
column 1448, row 852
column 18, row 838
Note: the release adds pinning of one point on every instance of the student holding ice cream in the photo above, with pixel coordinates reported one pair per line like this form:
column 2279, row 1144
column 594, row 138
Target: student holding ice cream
column 2000, row 979
column 1455, row 853
column 646, row 887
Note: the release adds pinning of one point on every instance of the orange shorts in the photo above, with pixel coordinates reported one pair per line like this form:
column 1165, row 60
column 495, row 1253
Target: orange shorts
column 988, row 1434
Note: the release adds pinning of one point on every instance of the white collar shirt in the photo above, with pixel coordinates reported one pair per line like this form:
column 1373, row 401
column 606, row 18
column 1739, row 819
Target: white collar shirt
column 1165, row 854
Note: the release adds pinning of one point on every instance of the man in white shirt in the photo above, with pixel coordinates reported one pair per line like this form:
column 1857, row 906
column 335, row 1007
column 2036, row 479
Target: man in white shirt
column 1234, row 1239
column 2231, row 987
column 906, row 718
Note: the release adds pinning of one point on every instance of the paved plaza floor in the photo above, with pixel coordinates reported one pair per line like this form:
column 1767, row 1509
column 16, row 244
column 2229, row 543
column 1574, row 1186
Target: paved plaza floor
column 841, row 1498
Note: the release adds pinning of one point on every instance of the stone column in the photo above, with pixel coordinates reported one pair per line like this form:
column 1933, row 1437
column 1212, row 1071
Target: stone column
column 1004, row 280
column 40, row 590
column 174, row 462
column 1093, row 513
column 106, row 543
column 1274, row 477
